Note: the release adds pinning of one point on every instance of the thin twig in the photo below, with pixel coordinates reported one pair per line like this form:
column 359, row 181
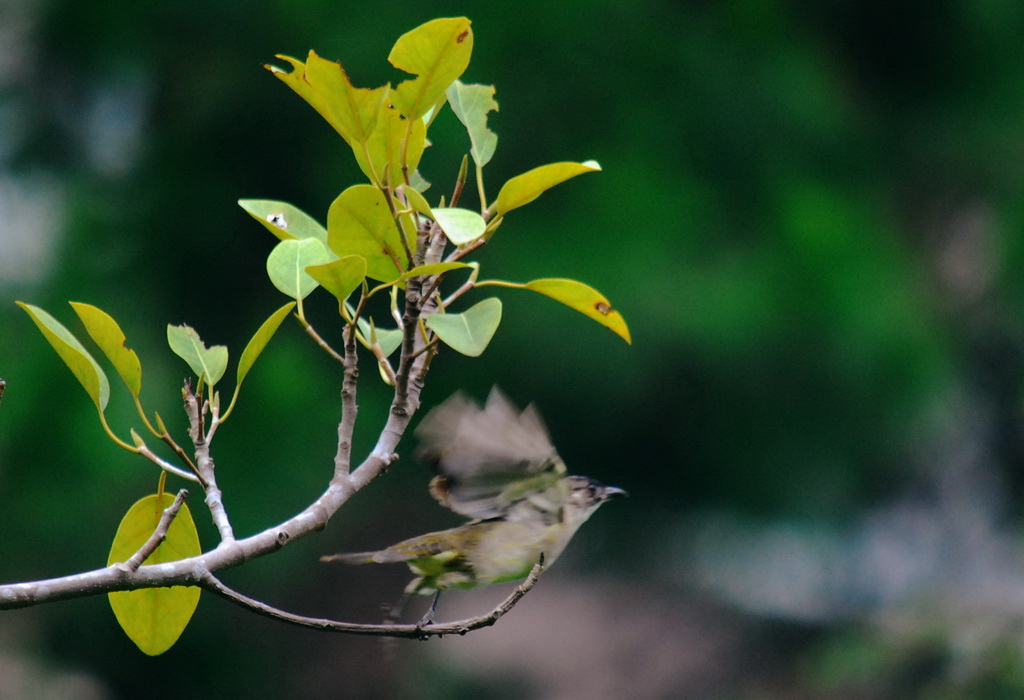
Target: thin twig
column 460, row 253
column 132, row 564
column 466, row 286
column 430, row 345
column 167, row 466
column 408, row 631
column 319, row 341
column 165, row 435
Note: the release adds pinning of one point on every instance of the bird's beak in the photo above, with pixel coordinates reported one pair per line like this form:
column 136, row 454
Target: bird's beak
column 614, row 492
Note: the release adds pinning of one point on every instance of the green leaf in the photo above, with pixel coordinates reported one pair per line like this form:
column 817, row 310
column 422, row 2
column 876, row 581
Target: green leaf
column 260, row 339
column 438, row 52
column 471, row 103
column 388, row 340
column 417, row 182
column 154, row 618
column 284, row 220
column 77, row 358
column 584, row 299
column 461, row 226
column 210, row 364
column 523, row 189
column 340, row 277
column 359, row 222
column 287, row 265
column 324, row 85
column 108, row 336
column 470, row 331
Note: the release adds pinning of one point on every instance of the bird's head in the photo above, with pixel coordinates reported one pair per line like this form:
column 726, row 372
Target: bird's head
column 585, row 496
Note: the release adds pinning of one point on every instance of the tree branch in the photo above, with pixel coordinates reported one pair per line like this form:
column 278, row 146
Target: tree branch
column 349, row 407
column 408, row 631
column 133, row 563
column 228, row 554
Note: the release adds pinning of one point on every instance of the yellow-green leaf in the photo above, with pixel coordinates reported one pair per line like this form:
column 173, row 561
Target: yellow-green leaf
column 471, row 103
column 154, row 618
column 418, row 202
column 359, row 222
column 417, row 182
column 584, row 299
column 287, row 263
column 260, row 339
column 468, row 332
column 110, row 338
column 324, row 85
column 340, row 277
column 438, row 53
column 284, row 220
column 433, row 269
column 523, row 189
column 208, row 363
column 386, row 147
column 77, row 358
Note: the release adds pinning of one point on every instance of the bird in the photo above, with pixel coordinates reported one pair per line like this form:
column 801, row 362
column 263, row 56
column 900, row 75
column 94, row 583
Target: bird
column 497, row 466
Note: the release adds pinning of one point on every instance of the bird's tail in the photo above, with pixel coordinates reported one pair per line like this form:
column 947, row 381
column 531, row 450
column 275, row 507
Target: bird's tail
column 354, row 558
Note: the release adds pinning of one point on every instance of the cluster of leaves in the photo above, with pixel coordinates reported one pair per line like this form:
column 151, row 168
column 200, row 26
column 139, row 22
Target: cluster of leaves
column 383, row 237
column 372, row 228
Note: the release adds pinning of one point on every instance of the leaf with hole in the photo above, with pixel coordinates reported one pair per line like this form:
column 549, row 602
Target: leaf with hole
column 468, row 332
column 438, row 53
column 154, row 618
column 471, row 103
column 584, row 299
column 284, row 220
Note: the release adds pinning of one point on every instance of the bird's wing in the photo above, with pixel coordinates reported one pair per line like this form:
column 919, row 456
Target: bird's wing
column 489, row 459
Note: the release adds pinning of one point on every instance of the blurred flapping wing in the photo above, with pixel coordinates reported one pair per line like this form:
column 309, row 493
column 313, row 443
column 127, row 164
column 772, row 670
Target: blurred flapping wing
column 489, row 459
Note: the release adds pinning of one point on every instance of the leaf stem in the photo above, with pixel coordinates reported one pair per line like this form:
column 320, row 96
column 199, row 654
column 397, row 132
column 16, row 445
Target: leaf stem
column 480, row 188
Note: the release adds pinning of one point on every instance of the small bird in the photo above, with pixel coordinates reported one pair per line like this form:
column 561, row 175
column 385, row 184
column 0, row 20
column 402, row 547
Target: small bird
column 497, row 466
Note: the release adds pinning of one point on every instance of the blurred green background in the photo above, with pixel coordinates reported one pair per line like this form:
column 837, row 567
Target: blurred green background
column 810, row 215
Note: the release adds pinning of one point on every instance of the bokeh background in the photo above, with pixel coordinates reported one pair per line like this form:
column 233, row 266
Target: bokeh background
column 810, row 215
